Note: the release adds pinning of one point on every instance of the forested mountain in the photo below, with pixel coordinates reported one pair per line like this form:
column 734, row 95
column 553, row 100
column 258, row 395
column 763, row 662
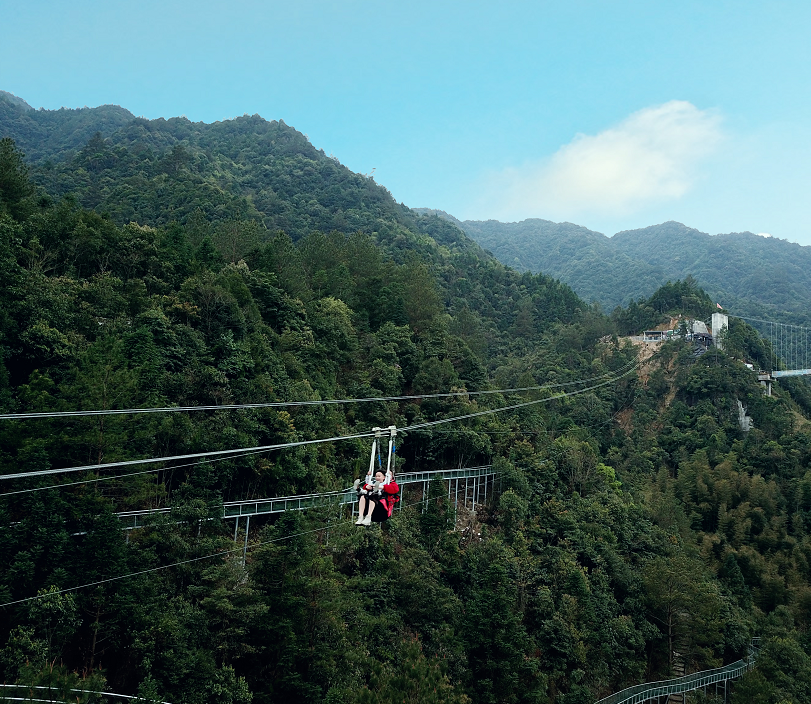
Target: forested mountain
column 52, row 134
column 635, row 529
column 236, row 180
column 749, row 274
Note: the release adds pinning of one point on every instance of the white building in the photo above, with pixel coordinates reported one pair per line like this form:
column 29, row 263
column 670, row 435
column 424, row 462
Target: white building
column 720, row 321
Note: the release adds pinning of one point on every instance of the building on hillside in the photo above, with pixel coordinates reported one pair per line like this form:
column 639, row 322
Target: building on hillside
column 698, row 327
column 720, row 322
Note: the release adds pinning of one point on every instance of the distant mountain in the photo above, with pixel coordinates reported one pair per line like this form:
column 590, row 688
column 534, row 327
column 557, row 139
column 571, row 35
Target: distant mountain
column 748, row 274
column 251, row 170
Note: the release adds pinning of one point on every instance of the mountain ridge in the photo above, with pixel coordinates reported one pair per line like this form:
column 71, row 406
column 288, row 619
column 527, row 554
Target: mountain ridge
column 759, row 276
column 253, row 170
column 243, row 170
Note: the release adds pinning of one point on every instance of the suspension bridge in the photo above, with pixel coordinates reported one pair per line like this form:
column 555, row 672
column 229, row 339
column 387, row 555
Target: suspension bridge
column 790, row 346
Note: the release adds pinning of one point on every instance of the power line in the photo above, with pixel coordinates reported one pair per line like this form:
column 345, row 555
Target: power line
column 238, row 452
column 292, row 404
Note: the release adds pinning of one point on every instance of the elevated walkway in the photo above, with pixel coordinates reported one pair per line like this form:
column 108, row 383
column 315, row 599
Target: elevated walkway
column 791, row 372
column 476, row 481
column 663, row 691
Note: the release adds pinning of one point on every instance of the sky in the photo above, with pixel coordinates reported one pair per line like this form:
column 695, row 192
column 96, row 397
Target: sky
column 613, row 116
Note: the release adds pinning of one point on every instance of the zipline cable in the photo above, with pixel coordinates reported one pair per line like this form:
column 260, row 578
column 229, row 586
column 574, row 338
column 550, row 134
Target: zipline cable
column 244, row 454
column 193, row 559
column 190, row 456
column 250, row 454
column 299, row 443
column 290, row 404
column 429, row 424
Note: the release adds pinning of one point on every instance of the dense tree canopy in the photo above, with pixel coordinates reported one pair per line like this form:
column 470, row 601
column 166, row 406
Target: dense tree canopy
column 636, row 528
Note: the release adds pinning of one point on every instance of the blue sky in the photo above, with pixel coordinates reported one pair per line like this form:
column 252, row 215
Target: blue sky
column 611, row 115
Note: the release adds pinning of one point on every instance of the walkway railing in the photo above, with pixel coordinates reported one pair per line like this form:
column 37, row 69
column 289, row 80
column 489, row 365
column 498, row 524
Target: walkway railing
column 279, row 504
column 656, row 690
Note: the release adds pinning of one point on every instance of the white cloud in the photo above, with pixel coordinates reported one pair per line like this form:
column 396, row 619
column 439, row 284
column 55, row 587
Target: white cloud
column 648, row 158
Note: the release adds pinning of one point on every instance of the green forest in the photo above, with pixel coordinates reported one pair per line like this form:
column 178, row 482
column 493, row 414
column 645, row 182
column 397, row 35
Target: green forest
column 751, row 275
column 635, row 532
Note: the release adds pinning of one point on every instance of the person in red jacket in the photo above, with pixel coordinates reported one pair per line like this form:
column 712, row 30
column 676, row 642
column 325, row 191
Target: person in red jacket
column 377, row 500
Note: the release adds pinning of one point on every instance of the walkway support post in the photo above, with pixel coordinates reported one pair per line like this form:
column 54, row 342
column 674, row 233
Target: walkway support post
column 245, row 546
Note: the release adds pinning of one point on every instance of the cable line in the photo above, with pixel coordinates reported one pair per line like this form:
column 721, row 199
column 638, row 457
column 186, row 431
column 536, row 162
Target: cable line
column 130, row 474
column 152, row 569
column 291, row 404
column 241, row 451
column 190, row 456
column 249, row 454
column 428, row 424
column 232, row 453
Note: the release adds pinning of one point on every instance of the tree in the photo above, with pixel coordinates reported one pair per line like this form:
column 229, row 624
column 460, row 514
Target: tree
column 15, row 187
column 686, row 605
column 411, row 679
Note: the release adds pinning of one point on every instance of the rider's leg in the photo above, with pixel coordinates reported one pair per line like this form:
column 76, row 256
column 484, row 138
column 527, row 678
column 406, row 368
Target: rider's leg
column 361, row 508
column 370, row 507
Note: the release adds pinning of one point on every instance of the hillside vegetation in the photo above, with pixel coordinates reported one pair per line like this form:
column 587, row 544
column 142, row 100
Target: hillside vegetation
column 749, row 274
column 635, row 528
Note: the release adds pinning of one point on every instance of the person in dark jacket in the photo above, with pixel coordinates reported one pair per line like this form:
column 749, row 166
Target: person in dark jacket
column 377, row 499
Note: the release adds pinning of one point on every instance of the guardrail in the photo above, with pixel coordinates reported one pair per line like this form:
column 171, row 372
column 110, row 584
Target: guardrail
column 279, row 504
column 655, row 690
column 791, row 372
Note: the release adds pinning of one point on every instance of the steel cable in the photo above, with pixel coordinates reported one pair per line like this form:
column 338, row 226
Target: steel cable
column 292, row 404
column 236, row 452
